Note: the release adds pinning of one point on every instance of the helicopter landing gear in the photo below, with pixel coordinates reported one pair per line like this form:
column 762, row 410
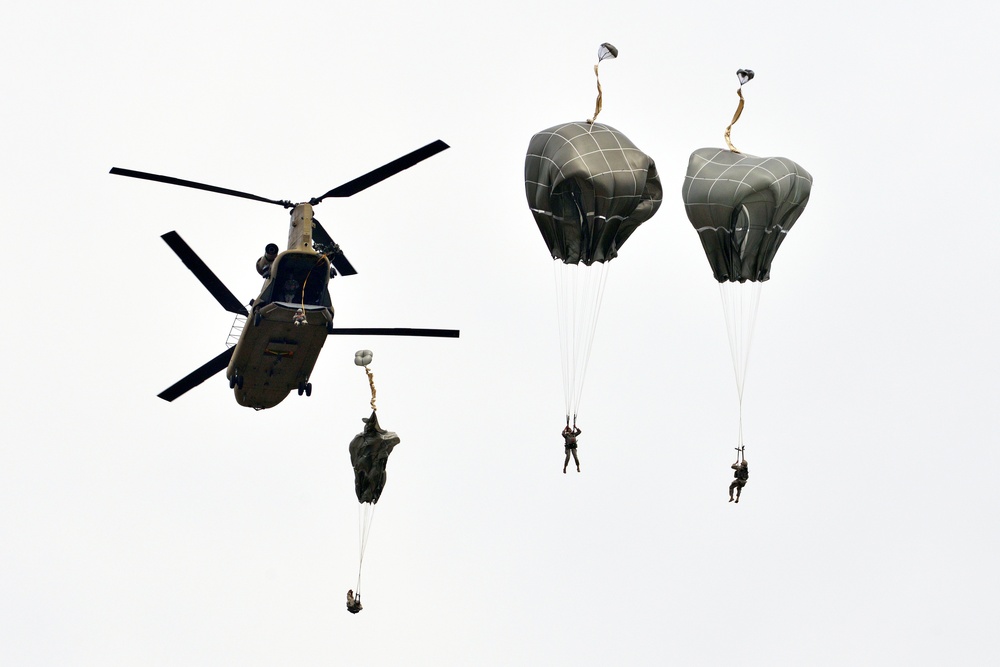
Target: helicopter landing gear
column 236, row 381
column 305, row 388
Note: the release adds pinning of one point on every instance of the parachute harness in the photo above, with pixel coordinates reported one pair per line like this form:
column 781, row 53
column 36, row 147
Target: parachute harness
column 606, row 51
column 744, row 75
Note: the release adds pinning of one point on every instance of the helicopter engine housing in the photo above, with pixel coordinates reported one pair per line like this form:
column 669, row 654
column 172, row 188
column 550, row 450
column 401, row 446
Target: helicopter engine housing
column 264, row 263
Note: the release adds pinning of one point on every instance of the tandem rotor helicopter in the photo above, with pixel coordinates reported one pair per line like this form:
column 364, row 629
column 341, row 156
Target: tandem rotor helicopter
column 288, row 323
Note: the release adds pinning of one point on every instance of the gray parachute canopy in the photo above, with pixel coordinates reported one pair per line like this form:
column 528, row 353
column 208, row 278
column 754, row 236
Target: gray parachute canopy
column 742, row 206
column 370, row 451
column 588, row 187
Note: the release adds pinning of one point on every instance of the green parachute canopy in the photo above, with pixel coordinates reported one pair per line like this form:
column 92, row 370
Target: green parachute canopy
column 589, row 188
column 370, row 451
column 742, row 206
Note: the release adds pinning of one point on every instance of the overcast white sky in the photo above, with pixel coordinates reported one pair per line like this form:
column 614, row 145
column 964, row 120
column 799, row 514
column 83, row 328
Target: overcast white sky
column 134, row 531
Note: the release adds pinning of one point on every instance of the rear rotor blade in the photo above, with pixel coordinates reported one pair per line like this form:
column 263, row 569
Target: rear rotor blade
column 434, row 333
column 198, row 376
column 333, row 251
column 384, row 172
column 201, row 271
column 343, row 267
column 198, row 186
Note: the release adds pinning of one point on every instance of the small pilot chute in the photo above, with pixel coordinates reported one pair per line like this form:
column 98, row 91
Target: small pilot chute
column 742, row 207
column 369, row 452
column 589, row 188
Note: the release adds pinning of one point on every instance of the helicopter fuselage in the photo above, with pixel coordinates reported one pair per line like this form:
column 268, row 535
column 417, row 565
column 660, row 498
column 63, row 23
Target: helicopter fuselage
column 287, row 325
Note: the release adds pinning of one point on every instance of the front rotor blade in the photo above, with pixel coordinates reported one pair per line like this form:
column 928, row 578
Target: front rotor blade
column 435, row 333
column 384, row 172
column 198, row 376
column 201, row 271
column 198, row 186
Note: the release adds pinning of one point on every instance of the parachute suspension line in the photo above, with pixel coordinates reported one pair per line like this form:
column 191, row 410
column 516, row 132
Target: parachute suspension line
column 596, row 287
column 740, row 303
column 579, row 295
column 561, row 276
column 366, row 514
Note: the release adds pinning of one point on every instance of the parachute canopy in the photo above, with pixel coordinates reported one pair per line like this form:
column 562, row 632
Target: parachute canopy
column 370, row 451
column 588, row 187
column 742, row 206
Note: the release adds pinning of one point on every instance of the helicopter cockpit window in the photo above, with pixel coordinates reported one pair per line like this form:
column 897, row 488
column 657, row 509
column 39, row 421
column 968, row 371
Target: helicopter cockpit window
column 301, row 279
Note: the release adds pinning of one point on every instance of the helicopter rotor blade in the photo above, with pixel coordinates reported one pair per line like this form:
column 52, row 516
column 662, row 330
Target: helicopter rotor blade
column 335, row 254
column 198, row 186
column 343, row 266
column 197, row 376
column 385, row 171
column 433, row 333
column 204, row 274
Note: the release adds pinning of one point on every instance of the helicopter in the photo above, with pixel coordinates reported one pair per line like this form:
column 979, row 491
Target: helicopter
column 279, row 339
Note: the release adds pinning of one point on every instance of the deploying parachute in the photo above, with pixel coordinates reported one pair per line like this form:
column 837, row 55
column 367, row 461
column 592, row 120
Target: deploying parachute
column 742, row 207
column 369, row 451
column 588, row 188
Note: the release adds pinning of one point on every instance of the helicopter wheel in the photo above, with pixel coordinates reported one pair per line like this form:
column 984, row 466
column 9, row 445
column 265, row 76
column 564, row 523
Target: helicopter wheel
column 309, row 389
column 232, row 382
column 239, row 381
column 256, row 319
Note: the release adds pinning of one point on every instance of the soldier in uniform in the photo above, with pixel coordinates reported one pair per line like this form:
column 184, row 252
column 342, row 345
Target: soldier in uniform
column 353, row 603
column 740, row 477
column 569, row 434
